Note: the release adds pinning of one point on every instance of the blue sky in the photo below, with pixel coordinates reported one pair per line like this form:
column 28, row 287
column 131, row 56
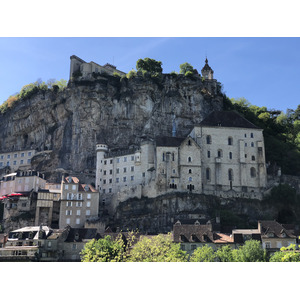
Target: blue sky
column 266, row 71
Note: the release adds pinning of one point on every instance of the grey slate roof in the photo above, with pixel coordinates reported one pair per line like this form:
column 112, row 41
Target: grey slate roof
column 227, row 119
column 168, row 141
column 274, row 227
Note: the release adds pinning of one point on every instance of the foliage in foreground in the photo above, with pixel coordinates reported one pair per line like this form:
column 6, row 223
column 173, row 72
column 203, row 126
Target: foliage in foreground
column 160, row 248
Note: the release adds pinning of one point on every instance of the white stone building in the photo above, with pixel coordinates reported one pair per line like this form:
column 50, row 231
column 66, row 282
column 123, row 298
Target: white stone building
column 224, row 155
column 22, row 181
column 16, row 159
column 232, row 154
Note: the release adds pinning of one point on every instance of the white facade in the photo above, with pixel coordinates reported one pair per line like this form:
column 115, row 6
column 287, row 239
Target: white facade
column 220, row 159
column 233, row 160
column 16, row 159
column 22, row 181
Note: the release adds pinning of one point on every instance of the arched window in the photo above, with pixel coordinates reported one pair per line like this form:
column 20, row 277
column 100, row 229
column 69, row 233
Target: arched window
column 189, row 143
column 220, row 153
column 252, row 172
column 230, row 155
column 173, row 156
column 190, row 171
column 163, row 158
column 208, row 139
column 253, row 157
column 230, row 175
column 189, row 159
column 230, row 140
column 208, row 174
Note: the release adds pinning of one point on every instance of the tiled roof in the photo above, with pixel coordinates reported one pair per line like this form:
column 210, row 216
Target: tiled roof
column 70, row 179
column 79, row 234
column 168, row 141
column 227, row 119
column 193, row 233
column 222, row 238
column 272, row 227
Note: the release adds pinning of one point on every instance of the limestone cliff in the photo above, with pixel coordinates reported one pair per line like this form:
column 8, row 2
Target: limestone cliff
column 120, row 112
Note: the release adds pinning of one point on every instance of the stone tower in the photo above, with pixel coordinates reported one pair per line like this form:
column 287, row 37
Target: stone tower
column 101, row 150
column 207, row 71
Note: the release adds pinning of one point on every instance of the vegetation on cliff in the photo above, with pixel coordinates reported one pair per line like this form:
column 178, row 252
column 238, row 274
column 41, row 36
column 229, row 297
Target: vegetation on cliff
column 31, row 89
column 281, row 132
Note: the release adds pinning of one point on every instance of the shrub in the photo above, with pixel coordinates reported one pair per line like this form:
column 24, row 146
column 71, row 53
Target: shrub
column 131, row 74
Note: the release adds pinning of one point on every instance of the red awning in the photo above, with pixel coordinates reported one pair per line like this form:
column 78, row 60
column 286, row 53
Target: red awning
column 14, row 194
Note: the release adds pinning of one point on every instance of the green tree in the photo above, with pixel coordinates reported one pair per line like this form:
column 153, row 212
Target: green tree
column 286, row 254
column 104, row 250
column 251, row 251
column 159, row 248
column 149, row 65
column 224, row 254
column 203, row 254
column 186, row 67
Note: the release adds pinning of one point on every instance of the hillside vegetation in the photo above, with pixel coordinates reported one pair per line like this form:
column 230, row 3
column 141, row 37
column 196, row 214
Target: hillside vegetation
column 281, row 132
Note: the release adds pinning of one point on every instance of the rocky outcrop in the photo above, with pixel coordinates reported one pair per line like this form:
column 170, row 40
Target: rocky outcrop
column 120, row 112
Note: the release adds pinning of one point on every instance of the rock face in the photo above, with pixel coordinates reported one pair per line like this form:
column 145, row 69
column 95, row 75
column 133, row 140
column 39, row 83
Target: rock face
column 119, row 112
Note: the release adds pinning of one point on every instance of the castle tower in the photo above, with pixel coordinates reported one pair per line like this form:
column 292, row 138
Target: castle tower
column 207, row 72
column 101, row 150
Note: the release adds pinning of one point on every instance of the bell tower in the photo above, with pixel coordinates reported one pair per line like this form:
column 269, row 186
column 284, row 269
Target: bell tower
column 207, row 72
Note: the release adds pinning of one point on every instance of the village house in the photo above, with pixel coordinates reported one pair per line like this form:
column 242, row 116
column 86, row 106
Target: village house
column 192, row 236
column 271, row 234
column 17, row 160
column 78, row 203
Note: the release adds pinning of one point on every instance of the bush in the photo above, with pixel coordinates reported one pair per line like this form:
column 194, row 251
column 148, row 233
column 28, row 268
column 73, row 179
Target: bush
column 131, row 74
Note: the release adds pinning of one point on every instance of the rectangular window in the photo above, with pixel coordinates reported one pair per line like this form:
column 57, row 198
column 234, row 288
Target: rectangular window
column 88, row 212
column 73, row 187
column 77, row 221
column 8, row 156
column 21, row 162
column 110, row 190
column 117, row 180
column 29, row 153
column 208, row 154
column 144, row 174
column 104, row 172
column 104, row 181
column 125, row 159
column 132, row 169
column 15, row 155
column 124, row 170
column 132, row 178
column 22, row 154
column 89, row 196
column 1, row 164
column 105, row 162
column 49, row 244
column 251, row 135
column 110, row 180
column 68, row 213
column 78, row 204
column 69, row 204
column 132, row 158
column 111, row 161
column 68, row 220
column 78, row 212
column 110, row 172
column 2, row 156
column 118, row 160
column 29, row 161
column 124, row 179
column 118, row 170
column 66, row 187
column 88, row 204
column 15, row 162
